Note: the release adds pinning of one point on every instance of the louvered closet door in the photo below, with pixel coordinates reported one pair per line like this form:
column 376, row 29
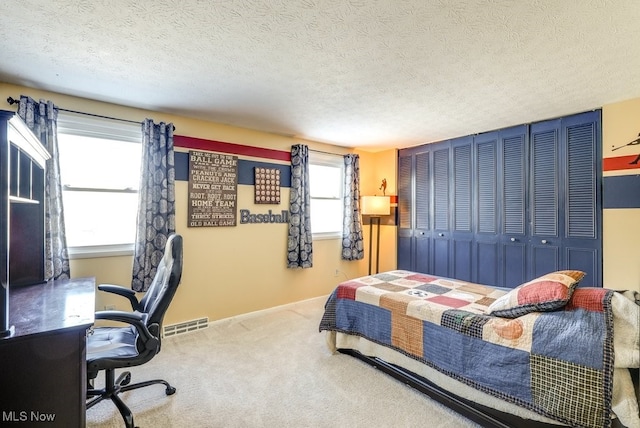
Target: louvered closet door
column 547, row 219
column 414, row 216
column 405, row 211
column 504, row 207
column 486, row 251
column 582, row 243
column 566, row 209
column 513, row 205
column 441, row 211
column 462, row 235
column 422, row 229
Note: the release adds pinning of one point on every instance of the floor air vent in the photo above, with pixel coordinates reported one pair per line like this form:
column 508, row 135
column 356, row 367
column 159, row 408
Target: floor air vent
column 185, row 327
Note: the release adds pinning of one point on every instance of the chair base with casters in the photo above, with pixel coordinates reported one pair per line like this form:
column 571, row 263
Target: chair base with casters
column 114, row 386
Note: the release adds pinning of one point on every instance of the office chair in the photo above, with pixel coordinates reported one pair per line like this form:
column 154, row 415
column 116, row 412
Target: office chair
column 111, row 348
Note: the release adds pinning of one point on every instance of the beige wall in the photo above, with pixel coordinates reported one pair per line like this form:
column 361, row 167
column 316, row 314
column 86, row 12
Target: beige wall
column 227, row 271
column 621, row 227
column 373, row 168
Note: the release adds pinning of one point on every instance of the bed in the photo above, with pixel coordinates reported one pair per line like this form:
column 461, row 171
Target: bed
column 546, row 353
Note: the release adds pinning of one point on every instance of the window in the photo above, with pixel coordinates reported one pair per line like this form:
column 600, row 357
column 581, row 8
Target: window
column 326, row 180
column 100, row 172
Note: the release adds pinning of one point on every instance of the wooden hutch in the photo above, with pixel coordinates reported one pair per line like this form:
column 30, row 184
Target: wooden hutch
column 22, row 181
column 43, row 324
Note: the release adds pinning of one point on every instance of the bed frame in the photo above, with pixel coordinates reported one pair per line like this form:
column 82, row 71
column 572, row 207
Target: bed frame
column 480, row 414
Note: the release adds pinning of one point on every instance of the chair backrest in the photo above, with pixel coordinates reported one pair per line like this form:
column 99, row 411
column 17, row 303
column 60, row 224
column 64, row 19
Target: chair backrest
column 165, row 283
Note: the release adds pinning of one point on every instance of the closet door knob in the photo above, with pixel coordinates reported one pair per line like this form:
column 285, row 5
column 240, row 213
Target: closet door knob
column 440, row 234
column 513, row 239
column 544, row 241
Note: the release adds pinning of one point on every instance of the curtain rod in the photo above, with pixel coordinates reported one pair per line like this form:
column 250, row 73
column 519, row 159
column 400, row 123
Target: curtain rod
column 325, row 153
column 13, row 101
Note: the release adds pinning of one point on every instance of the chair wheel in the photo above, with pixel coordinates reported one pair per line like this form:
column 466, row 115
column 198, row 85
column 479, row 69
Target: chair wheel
column 170, row 390
column 126, row 380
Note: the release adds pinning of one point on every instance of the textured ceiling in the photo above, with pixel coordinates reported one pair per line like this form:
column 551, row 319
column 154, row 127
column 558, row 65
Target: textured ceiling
column 360, row 73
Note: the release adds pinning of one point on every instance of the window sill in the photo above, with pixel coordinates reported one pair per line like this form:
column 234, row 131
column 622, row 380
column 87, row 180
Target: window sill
column 323, row 236
column 99, row 251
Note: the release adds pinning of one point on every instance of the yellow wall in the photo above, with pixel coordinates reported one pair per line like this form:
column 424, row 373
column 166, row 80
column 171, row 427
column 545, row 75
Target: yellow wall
column 621, row 226
column 373, row 168
column 227, row 271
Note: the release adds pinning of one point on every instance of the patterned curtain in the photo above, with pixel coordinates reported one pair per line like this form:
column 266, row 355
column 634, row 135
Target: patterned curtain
column 352, row 241
column 42, row 118
column 156, row 202
column 299, row 251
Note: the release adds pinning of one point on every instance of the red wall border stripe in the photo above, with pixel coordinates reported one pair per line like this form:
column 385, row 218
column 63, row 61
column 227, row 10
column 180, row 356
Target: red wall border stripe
column 619, row 162
column 236, row 149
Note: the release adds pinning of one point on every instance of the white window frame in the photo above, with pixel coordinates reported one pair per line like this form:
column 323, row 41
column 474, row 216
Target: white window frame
column 336, row 161
column 98, row 127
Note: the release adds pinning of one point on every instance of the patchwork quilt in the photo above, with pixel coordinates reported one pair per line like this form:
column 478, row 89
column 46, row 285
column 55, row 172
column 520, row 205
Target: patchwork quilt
column 557, row 363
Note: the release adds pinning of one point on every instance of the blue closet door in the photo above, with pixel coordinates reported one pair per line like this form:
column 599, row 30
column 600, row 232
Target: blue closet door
column 514, row 184
column 486, row 251
column 506, row 206
column 462, row 230
column 405, row 211
column 414, row 216
column 500, row 191
column 441, row 211
column 566, row 201
column 546, row 217
column 422, row 230
column 582, row 202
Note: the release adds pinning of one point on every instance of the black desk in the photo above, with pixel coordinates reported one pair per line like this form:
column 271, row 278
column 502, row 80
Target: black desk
column 42, row 366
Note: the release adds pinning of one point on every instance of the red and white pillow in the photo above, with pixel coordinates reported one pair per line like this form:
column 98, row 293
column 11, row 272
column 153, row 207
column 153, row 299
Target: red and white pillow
column 546, row 293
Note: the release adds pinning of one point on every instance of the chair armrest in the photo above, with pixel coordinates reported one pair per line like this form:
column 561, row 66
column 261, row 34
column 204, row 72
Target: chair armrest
column 122, row 291
column 132, row 318
column 135, row 319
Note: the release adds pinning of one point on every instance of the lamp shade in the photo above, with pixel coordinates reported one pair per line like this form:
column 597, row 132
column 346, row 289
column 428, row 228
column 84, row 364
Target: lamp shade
column 375, row 205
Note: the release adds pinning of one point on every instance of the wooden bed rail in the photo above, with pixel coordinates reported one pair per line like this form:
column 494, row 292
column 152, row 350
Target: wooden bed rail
column 485, row 416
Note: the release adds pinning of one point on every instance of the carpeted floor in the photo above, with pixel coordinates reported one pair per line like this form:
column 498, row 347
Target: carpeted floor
column 269, row 369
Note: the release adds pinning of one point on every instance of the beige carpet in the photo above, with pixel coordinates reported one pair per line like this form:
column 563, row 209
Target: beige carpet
column 269, row 369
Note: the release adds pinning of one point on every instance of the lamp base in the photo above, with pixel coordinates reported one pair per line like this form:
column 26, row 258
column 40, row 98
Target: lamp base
column 377, row 221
